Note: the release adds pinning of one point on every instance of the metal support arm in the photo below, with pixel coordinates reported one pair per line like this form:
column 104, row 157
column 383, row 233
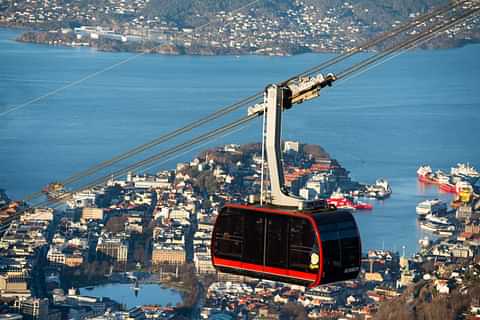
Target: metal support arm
column 277, row 99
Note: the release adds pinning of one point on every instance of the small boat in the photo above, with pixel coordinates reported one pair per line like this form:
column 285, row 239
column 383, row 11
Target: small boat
column 136, row 288
column 54, row 190
column 340, row 201
column 359, row 205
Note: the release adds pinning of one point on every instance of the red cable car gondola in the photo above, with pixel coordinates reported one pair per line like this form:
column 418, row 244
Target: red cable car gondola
column 291, row 239
column 301, row 247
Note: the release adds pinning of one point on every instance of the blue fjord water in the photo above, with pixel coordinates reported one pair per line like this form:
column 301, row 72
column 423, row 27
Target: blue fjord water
column 421, row 107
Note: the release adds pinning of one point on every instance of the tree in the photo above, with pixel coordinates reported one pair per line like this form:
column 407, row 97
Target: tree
column 293, row 311
column 116, row 224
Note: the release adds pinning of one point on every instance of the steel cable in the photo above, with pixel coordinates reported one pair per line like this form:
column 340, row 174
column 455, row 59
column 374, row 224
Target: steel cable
column 423, row 36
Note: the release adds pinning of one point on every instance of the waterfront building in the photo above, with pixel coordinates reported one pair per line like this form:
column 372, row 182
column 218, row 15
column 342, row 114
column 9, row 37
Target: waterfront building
column 115, row 249
column 38, row 214
column 464, row 212
column 151, row 182
column 85, row 198
column 96, row 305
column 473, row 227
column 461, row 251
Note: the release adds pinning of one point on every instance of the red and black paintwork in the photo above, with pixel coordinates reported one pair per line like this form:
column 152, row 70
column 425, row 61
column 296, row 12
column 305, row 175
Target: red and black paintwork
column 329, row 268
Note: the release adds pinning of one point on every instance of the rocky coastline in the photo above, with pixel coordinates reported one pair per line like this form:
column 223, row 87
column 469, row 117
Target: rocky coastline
column 69, row 39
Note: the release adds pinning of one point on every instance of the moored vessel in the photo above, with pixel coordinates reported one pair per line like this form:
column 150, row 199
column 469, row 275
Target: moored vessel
column 448, row 187
column 437, row 228
column 340, row 201
column 466, row 171
column 435, row 206
column 425, row 174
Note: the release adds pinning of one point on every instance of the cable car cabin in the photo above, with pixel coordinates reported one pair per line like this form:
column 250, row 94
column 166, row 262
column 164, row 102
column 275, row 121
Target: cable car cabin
column 306, row 248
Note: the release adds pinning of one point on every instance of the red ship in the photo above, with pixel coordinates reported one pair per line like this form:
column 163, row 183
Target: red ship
column 425, row 175
column 448, row 187
column 341, row 202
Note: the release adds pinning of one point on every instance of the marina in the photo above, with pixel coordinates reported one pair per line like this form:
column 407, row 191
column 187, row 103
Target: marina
column 462, row 178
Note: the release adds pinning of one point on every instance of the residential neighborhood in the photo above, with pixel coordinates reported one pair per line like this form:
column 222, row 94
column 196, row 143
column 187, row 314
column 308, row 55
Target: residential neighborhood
column 148, row 228
column 120, row 25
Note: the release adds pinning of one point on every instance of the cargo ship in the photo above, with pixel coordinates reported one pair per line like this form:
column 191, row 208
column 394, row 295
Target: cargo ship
column 461, row 178
column 448, row 187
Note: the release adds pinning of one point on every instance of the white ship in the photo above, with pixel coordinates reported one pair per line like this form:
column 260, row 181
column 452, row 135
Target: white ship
column 435, row 206
column 442, row 177
column 380, row 190
column 466, row 171
column 438, row 220
column 424, row 170
column 437, row 228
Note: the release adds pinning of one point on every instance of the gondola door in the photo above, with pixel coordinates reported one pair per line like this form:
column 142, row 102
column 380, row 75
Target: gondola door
column 276, row 248
column 254, row 235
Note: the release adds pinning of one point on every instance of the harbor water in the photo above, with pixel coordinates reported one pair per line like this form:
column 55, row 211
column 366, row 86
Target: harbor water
column 420, row 108
column 124, row 293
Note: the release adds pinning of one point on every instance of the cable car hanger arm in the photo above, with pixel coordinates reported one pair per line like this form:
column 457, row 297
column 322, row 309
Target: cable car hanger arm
column 298, row 91
column 278, row 98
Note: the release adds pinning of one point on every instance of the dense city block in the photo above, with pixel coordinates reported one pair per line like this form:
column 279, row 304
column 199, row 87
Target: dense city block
column 156, row 228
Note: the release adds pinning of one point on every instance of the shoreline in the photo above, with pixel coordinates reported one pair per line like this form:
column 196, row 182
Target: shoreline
column 87, row 291
column 68, row 40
